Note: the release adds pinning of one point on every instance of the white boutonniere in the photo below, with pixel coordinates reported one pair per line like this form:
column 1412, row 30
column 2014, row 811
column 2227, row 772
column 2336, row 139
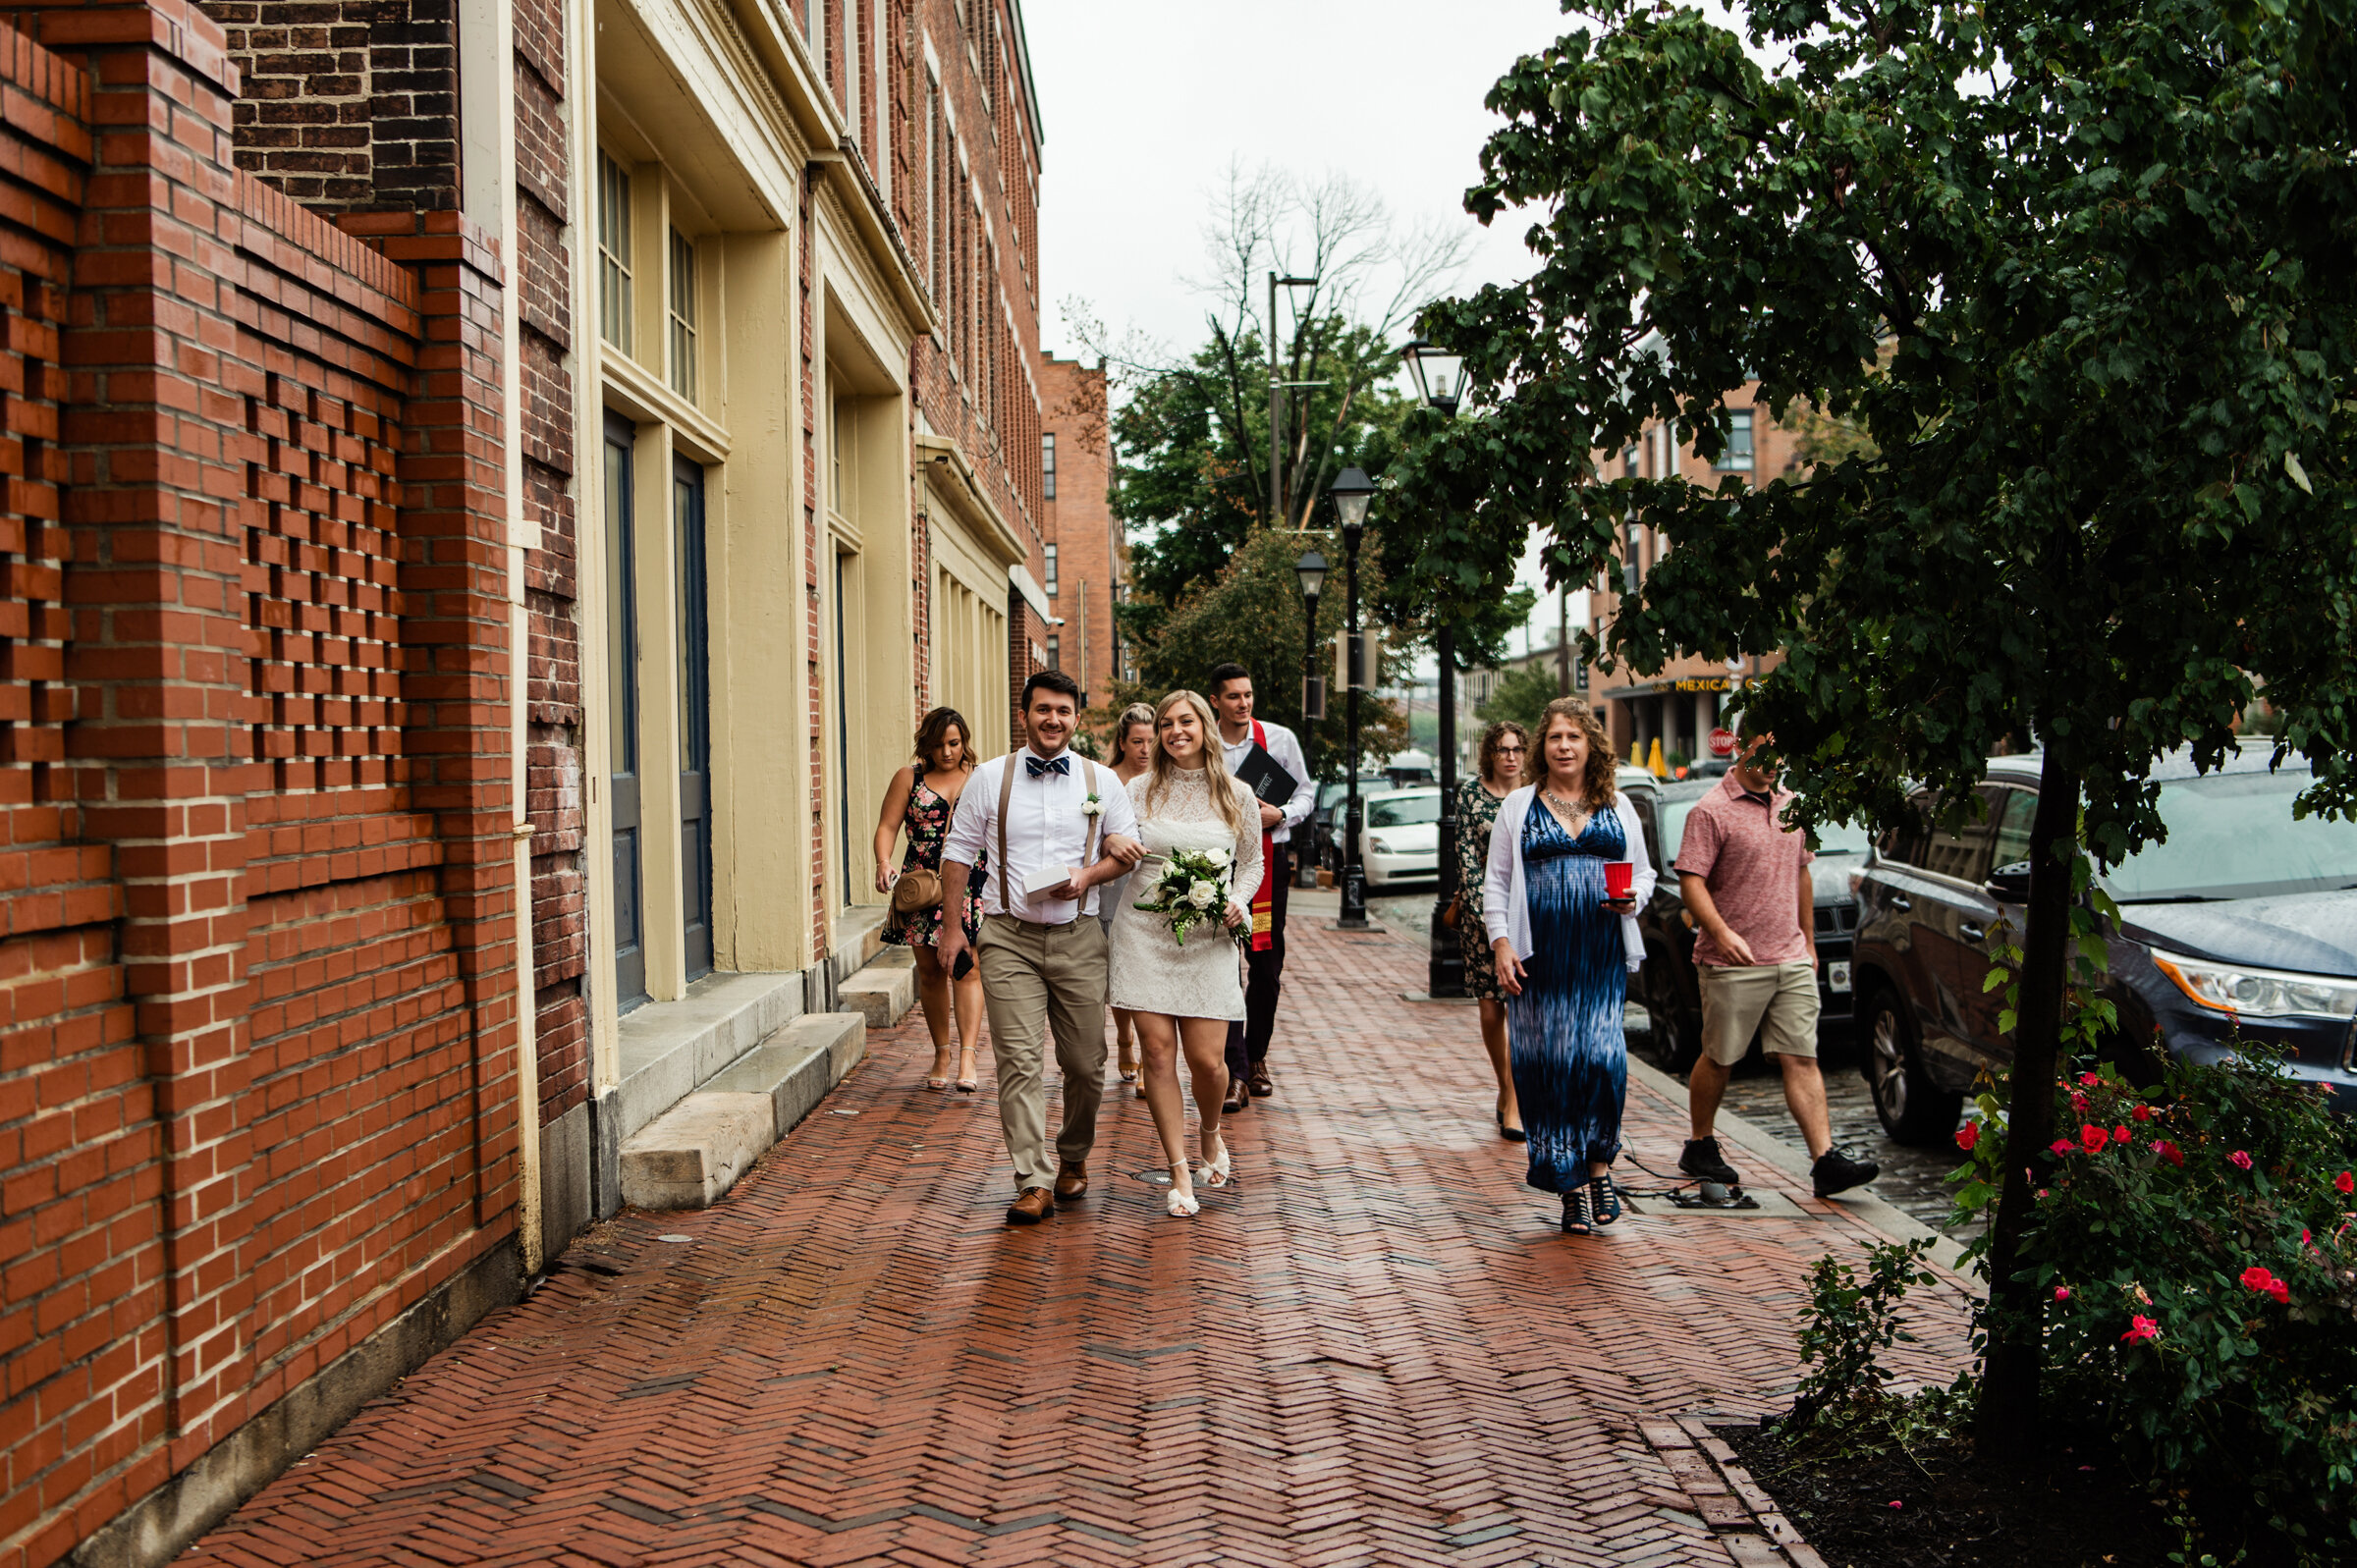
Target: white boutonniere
column 1092, row 806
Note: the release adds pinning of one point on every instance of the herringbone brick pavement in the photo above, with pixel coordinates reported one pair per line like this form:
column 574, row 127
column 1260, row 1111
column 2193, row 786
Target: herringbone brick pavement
column 1375, row 1349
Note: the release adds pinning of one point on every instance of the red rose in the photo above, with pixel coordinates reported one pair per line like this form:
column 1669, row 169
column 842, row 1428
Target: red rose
column 2141, row 1329
column 2239, row 1160
column 2256, row 1277
column 2091, row 1137
column 2282, row 1291
column 2142, row 1114
column 2344, row 1184
column 2169, row 1152
column 1968, row 1135
column 2078, row 1104
column 2061, row 1292
column 2121, row 1135
column 2061, row 1147
column 2090, row 1079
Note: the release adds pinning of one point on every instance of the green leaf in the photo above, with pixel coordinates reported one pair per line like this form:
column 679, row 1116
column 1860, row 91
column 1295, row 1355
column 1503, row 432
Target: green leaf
column 2299, row 475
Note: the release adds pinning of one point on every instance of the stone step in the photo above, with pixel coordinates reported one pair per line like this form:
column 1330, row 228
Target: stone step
column 670, row 1049
column 692, row 1153
column 882, row 992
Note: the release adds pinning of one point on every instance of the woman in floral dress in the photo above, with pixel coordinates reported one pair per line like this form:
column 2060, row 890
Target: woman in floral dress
column 920, row 799
column 1503, row 748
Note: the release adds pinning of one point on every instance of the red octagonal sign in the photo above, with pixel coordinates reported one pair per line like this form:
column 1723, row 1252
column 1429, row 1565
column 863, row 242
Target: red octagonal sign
column 1723, row 743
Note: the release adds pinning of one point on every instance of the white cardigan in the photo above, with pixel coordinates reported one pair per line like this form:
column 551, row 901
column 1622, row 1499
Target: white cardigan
column 1505, row 895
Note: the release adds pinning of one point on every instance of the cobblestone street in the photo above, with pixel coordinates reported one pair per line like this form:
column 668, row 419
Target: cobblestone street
column 1376, row 1349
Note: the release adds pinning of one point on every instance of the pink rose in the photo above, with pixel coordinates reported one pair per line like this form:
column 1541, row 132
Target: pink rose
column 2141, row 1329
column 2061, row 1292
column 2239, row 1160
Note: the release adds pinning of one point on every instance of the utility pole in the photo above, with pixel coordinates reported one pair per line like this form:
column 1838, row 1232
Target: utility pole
column 1562, row 643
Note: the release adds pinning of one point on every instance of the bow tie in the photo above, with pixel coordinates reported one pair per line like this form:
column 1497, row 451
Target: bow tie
column 1036, row 767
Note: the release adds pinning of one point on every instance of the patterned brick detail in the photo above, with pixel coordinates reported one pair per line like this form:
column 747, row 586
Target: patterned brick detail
column 258, row 1046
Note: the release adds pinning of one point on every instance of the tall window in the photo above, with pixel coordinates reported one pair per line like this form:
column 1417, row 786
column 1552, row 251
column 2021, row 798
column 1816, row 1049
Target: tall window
column 1051, row 568
column 1054, row 652
column 1737, row 455
column 1047, row 466
column 683, row 315
column 614, row 252
column 932, row 176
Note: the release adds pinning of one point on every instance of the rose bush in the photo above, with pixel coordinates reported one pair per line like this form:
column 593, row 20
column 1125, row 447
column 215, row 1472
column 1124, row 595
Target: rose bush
column 2194, row 1259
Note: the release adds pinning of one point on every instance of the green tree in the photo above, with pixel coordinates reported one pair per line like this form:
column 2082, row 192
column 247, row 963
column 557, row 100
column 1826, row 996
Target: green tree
column 2104, row 489
column 1252, row 614
column 1521, row 695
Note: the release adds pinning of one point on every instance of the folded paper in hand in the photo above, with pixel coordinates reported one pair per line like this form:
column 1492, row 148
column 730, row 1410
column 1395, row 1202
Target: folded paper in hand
column 1047, row 877
column 1266, row 777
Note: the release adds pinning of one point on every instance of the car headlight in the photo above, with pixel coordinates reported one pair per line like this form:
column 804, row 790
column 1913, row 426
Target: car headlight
column 2257, row 993
column 1380, row 844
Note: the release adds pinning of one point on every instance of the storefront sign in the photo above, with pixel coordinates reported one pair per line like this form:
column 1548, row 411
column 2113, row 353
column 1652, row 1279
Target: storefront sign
column 1688, row 683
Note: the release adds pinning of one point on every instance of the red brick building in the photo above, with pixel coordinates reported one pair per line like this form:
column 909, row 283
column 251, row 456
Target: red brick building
column 1087, row 558
column 415, row 588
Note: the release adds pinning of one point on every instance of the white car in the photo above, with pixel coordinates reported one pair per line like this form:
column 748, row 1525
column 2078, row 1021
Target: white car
column 1401, row 838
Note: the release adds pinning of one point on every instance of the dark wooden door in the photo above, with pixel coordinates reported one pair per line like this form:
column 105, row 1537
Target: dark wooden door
column 695, row 714
column 621, row 691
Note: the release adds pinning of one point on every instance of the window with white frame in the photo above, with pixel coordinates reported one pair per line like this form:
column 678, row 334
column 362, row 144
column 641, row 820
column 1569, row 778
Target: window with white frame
column 1737, row 456
column 1047, row 466
column 1051, row 568
column 614, row 252
column 682, row 316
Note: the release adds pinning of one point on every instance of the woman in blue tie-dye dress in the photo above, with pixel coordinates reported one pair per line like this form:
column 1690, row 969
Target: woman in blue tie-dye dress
column 1564, row 951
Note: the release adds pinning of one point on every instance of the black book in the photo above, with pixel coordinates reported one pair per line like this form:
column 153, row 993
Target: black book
column 1266, row 777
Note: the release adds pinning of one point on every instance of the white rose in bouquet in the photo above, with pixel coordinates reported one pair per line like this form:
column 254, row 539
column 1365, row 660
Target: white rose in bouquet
column 1202, row 893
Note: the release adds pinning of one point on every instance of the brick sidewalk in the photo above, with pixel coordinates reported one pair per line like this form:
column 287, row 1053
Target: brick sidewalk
column 1376, row 1349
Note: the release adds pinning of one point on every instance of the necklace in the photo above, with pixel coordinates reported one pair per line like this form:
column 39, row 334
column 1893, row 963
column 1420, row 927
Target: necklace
column 1565, row 808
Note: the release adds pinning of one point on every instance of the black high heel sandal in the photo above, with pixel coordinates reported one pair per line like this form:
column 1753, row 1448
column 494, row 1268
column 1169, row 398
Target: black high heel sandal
column 1604, row 1200
column 1510, row 1134
column 1576, row 1218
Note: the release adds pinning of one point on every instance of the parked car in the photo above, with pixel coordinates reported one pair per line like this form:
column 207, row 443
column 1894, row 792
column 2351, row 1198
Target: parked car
column 2243, row 922
column 1666, row 985
column 1401, row 839
column 1326, row 817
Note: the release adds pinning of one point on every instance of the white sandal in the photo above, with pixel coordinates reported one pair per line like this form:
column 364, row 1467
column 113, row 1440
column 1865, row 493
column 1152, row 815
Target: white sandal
column 1181, row 1204
column 1218, row 1172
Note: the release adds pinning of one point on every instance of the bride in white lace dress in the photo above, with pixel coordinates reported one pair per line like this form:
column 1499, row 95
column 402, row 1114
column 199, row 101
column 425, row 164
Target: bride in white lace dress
column 1182, row 997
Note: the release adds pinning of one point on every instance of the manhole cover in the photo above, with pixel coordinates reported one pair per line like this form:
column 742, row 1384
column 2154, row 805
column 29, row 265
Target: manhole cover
column 1155, row 1178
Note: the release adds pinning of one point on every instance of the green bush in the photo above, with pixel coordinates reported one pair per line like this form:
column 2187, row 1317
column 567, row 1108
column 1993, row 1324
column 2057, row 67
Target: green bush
column 2193, row 1252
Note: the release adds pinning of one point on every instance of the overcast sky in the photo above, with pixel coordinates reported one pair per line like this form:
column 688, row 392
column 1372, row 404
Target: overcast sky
column 1146, row 106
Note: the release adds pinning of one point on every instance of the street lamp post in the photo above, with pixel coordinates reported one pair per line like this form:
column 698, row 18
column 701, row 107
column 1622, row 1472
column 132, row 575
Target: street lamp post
column 1311, row 570
column 1438, row 376
column 1352, row 491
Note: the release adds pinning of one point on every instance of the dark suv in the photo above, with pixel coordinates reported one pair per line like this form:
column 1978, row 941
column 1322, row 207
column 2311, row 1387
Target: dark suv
column 1667, row 986
column 2242, row 922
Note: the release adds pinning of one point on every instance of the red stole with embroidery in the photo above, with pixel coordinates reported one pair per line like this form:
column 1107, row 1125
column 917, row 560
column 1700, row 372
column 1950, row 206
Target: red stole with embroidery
column 1264, row 897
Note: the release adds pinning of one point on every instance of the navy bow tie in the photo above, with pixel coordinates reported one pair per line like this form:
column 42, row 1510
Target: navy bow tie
column 1062, row 765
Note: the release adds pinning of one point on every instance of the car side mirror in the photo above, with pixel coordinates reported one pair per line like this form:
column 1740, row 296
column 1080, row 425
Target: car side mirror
column 2009, row 884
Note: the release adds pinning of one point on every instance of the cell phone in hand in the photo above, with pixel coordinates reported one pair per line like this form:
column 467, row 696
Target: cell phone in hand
column 965, row 963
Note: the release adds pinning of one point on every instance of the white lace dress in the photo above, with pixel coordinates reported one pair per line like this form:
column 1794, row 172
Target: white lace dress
column 1146, row 970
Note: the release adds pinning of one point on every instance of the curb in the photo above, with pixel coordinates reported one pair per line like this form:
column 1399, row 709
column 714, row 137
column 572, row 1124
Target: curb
column 1743, row 1518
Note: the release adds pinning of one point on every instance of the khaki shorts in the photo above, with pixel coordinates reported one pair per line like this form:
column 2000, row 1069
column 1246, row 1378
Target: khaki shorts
column 1778, row 1000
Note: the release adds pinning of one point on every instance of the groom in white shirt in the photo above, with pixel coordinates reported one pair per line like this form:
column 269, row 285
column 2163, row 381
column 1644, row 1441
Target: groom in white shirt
column 1053, row 826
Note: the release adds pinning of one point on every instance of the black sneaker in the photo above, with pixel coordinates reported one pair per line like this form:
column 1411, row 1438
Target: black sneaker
column 1700, row 1160
column 1578, row 1219
column 1604, row 1200
column 1834, row 1171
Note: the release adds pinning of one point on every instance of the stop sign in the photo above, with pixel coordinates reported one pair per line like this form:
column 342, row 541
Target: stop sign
column 1723, row 743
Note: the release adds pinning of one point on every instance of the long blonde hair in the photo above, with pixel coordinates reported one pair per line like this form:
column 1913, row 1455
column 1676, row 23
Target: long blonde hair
column 1216, row 776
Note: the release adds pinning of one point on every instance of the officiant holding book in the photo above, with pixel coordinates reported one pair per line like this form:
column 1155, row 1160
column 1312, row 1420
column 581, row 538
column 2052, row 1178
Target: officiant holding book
column 1267, row 758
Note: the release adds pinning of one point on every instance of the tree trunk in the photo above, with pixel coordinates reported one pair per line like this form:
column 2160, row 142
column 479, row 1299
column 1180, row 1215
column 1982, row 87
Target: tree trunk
column 2009, row 1411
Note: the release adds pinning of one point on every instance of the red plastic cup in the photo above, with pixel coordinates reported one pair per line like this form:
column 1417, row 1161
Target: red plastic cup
column 1620, row 878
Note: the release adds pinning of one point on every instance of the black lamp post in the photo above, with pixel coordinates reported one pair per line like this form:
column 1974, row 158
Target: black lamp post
column 1439, row 382
column 1352, row 492
column 1311, row 570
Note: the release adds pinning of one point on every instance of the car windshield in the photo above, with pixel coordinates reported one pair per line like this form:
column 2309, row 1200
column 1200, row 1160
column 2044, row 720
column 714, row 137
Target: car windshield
column 2232, row 836
column 1673, row 827
column 1834, row 839
column 1400, row 811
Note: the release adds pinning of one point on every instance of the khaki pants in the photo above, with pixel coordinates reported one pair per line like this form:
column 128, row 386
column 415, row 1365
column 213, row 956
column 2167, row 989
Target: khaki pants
column 1045, row 977
column 1777, row 1000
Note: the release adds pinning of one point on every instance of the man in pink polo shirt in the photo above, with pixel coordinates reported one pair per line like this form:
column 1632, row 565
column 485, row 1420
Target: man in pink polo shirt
column 1746, row 882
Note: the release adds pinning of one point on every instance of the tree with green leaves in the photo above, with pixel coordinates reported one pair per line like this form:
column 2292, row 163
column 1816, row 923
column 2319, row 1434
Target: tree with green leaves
column 1521, row 693
column 2083, row 276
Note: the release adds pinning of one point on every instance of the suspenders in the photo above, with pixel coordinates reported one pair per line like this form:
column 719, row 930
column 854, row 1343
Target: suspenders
column 1089, row 849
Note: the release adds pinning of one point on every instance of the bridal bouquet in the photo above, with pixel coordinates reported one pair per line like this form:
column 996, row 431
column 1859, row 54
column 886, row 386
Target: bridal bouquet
column 1191, row 890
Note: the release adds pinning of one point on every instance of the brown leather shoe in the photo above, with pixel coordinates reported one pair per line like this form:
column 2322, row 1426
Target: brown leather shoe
column 1035, row 1205
column 1238, row 1098
column 1071, row 1181
column 1262, row 1084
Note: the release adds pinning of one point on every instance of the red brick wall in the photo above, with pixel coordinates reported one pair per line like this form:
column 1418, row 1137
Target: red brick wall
column 257, row 1067
column 1078, row 520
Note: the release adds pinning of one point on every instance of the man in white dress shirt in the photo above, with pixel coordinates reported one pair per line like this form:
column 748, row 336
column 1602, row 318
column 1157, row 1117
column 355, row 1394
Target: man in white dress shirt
column 1067, row 827
column 1263, row 964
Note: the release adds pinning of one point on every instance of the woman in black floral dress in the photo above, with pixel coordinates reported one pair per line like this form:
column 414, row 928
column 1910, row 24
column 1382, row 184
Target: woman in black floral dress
column 1503, row 745
column 921, row 797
